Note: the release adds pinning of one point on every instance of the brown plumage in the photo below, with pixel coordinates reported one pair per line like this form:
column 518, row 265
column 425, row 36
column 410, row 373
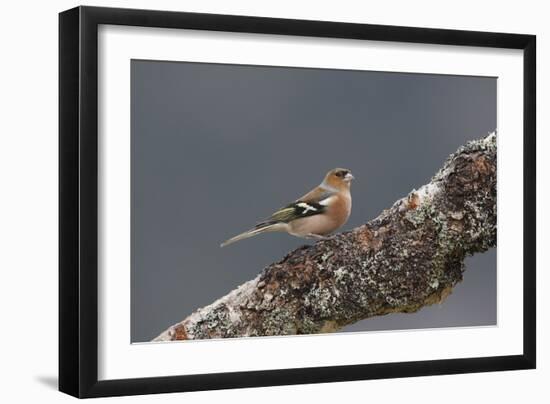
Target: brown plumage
column 316, row 214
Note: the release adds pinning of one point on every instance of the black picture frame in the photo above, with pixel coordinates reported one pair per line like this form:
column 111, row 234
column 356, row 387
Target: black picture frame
column 78, row 201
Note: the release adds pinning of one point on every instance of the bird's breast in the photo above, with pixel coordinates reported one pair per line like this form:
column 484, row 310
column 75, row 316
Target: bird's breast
column 340, row 210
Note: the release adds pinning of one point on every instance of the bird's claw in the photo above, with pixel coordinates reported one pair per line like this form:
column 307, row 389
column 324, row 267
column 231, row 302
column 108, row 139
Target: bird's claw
column 316, row 236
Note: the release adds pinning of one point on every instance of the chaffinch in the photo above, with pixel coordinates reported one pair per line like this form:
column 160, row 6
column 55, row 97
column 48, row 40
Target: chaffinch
column 314, row 215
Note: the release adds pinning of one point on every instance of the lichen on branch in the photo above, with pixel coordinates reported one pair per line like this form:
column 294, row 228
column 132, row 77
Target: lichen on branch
column 410, row 256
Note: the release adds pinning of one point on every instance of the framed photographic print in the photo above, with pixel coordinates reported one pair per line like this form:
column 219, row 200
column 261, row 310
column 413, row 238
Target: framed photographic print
column 250, row 201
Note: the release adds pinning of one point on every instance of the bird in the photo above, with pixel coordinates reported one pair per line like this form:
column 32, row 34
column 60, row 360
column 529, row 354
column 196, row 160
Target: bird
column 314, row 215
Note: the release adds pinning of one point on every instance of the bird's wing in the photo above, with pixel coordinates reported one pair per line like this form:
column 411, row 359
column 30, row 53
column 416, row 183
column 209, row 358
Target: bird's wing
column 317, row 195
column 313, row 203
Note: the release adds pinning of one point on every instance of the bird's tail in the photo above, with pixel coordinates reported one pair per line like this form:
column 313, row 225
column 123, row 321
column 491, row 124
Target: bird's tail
column 258, row 229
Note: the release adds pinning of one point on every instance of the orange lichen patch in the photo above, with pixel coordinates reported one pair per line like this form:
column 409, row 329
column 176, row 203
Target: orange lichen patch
column 439, row 296
column 273, row 286
column 329, row 326
column 378, row 238
column 481, row 165
column 445, row 293
column 369, row 239
column 308, row 271
column 180, row 333
column 364, row 236
column 413, row 201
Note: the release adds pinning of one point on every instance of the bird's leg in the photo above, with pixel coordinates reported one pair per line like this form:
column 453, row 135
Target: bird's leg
column 315, row 236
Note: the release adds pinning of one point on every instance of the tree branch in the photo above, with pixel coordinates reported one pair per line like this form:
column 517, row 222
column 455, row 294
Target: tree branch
column 410, row 256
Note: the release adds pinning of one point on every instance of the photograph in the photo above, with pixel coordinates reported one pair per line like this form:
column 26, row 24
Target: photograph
column 271, row 201
column 249, row 201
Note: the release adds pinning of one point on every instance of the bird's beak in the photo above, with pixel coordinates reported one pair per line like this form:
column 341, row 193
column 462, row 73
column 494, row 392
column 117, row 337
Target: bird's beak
column 349, row 177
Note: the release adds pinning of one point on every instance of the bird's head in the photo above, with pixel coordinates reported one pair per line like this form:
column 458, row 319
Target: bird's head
column 338, row 178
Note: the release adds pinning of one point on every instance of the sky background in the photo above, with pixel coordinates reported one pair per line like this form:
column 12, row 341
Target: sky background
column 216, row 148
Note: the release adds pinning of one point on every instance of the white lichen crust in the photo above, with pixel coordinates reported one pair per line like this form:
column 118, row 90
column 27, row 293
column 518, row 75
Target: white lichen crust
column 410, row 256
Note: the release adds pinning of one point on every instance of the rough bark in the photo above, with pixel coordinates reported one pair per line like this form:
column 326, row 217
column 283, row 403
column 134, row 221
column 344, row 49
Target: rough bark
column 410, row 256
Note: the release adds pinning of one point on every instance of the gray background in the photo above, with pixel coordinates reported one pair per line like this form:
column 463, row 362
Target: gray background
column 216, row 147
